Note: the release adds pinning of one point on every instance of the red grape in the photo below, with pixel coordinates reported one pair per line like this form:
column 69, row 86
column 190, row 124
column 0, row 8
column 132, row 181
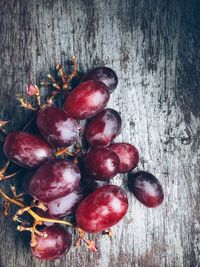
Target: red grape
column 146, row 188
column 65, row 205
column 102, row 209
column 55, row 245
column 26, row 150
column 103, row 74
column 101, row 163
column 103, row 128
column 86, row 100
column 56, row 128
column 53, row 180
column 128, row 156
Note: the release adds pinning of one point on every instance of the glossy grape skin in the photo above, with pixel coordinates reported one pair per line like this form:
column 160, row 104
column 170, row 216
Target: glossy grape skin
column 102, row 209
column 103, row 128
column 128, row 156
column 53, row 180
column 146, row 188
column 66, row 205
column 86, row 100
column 101, row 163
column 103, row 74
column 56, row 127
column 55, row 245
column 26, row 150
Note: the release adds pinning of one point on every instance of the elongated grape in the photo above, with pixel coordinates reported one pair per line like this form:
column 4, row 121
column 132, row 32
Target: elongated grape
column 53, row 180
column 56, row 127
column 26, row 150
column 86, row 100
column 102, row 209
column 146, row 188
column 103, row 128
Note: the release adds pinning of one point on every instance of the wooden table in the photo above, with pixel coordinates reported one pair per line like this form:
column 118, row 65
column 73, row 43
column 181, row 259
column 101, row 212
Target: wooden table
column 154, row 48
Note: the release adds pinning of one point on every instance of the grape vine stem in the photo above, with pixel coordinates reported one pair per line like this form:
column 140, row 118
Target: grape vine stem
column 37, row 218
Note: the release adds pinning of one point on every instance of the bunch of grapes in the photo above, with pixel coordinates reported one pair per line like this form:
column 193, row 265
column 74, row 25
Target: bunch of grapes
column 71, row 163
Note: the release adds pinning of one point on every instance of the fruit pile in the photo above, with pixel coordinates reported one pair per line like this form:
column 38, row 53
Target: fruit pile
column 70, row 164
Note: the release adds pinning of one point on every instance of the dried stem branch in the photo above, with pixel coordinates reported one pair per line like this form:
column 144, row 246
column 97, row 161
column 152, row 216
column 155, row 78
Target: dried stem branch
column 31, row 212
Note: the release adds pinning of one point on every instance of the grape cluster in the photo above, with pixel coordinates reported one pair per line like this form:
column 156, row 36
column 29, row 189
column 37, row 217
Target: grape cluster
column 72, row 163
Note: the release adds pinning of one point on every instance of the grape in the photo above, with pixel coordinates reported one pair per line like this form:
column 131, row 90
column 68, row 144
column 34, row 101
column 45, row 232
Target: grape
column 56, row 128
column 55, row 245
column 146, row 188
column 101, row 163
column 103, row 74
column 53, row 180
column 102, row 209
column 26, row 150
column 86, row 100
column 65, row 205
column 128, row 156
column 103, row 128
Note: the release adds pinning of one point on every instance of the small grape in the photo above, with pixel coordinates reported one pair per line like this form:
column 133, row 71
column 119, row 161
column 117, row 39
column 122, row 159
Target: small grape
column 103, row 128
column 55, row 245
column 146, row 188
column 101, row 163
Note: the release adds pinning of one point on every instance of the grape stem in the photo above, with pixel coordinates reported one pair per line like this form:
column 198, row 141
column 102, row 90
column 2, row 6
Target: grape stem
column 37, row 218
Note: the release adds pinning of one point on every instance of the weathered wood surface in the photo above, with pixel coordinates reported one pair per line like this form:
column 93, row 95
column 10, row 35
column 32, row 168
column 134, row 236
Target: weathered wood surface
column 154, row 48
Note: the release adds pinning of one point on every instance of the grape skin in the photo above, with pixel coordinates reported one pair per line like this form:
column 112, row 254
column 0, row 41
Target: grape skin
column 101, row 163
column 56, row 127
column 53, row 180
column 86, row 100
column 128, row 156
column 26, row 150
column 103, row 128
column 105, row 207
column 55, row 245
column 65, row 205
column 146, row 188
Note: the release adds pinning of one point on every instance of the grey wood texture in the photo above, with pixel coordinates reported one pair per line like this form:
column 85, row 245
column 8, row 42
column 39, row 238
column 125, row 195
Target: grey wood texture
column 154, row 48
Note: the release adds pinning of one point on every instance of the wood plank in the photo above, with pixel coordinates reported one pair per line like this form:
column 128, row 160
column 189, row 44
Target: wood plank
column 154, row 48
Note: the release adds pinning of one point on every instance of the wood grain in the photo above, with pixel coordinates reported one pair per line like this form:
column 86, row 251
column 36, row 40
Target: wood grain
column 154, row 48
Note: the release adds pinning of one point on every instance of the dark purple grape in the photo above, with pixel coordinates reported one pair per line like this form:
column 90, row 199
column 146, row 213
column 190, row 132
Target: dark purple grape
column 56, row 128
column 103, row 128
column 53, row 180
column 55, row 245
column 103, row 74
column 65, row 205
column 146, row 188
column 128, row 156
column 102, row 209
column 86, row 100
column 26, row 150
column 101, row 163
